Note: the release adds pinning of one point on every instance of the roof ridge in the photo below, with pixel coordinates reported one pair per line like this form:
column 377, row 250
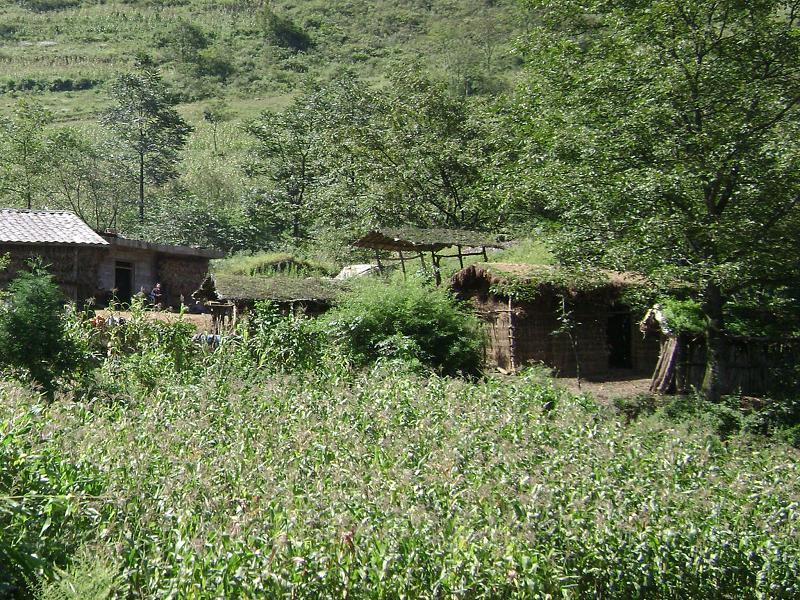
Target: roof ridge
column 38, row 210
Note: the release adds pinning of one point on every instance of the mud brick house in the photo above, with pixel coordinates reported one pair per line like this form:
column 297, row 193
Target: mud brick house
column 88, row 265
column 540, row 314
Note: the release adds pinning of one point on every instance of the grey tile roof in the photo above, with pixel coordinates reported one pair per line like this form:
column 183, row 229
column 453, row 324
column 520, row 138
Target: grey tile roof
column 46, row 227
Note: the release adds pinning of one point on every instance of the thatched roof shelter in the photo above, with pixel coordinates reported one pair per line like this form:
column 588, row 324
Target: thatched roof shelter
column 418, row 241
column 524, row 281
column 227, row 296
column 415, row 239
column 279, row 289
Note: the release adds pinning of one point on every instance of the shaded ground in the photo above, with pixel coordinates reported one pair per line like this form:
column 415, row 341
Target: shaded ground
column 604, row 391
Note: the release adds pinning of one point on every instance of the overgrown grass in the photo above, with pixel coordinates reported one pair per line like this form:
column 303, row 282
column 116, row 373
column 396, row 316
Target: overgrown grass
column 272, row 263
column 527, row 251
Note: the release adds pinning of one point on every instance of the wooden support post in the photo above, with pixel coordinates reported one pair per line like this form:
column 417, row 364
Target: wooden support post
column 437, row 273
column 512, row 340
column 460, row 257
column 402, row 263
column 485, row 256
column 422, row 260
column 378, row 261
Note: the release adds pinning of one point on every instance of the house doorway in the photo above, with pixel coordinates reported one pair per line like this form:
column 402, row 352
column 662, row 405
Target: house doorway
column 123, row 281
column 618, row 338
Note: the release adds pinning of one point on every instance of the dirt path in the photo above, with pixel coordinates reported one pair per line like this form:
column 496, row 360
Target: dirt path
column 605, row 391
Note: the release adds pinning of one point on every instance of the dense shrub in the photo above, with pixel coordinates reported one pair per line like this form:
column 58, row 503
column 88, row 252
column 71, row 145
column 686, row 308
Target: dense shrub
column 276, row 343
column 282, row 31
column 48, row 5
column 375, row 316
column 33, row 330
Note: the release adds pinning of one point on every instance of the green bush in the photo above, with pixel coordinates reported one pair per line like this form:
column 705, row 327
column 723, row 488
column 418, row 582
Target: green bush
column 33, row 329
column 143, row 351
column 371, row 319
column 48, row 5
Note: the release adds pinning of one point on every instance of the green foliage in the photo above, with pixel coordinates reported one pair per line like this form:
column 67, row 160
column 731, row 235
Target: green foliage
column 282, row 344
column 33, row 335
column 386, row 484
column 375, row 317
column 90, row 576
column 527, row 251
column 48, row 501
column 282, row 31
column 149, row 130
column 142, row 351
column 270, row 263
column 683, row 316
column 681, row 163
column 41, row 6
column 24, row 153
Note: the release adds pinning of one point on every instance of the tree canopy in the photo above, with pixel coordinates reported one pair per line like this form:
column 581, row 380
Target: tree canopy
column 664, row 137
column 147, row 126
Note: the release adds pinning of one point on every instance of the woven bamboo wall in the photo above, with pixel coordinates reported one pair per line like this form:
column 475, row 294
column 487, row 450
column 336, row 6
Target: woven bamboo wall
column 753, row 365
column 534, row 340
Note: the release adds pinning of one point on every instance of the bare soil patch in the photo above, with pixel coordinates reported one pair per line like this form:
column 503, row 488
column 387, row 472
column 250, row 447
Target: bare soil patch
column 605, row 391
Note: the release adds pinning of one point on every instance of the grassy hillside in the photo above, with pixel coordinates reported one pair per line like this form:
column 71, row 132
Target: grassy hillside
column 252, row 52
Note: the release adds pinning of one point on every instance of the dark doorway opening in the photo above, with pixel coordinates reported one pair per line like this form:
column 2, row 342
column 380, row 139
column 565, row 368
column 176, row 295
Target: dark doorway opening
column 618, row 336
column 123, row 281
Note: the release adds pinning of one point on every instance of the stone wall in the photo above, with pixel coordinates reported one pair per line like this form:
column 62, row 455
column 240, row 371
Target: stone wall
column 74, row 268
column 181, row 276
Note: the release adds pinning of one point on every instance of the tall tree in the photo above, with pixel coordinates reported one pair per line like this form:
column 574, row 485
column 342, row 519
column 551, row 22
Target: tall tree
column 425, row 150
column 89, row 180
column 666, row 137
column 24, row 152
column 284, row 152
column 147, row 126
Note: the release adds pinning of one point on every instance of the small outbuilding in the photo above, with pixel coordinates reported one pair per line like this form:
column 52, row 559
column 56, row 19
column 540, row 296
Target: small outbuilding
column 87, row 265
column 228, row 296
column 577, row 324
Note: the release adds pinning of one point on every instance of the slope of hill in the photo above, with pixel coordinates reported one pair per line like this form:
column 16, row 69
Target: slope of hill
column 251, row 52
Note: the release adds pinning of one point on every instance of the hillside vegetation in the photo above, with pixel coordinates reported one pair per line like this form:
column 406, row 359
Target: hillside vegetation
column 255, row 53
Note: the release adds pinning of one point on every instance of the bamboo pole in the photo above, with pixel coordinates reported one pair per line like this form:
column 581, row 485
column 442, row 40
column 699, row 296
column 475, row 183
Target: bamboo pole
column 512, row 359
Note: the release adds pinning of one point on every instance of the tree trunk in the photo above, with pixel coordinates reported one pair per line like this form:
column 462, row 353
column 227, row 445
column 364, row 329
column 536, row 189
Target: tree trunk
column 141, row 187
column 715, row 343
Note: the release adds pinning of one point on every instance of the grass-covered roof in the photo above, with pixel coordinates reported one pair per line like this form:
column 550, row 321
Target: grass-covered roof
column 431, row 240
column 525, row 280
column 278, row 288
